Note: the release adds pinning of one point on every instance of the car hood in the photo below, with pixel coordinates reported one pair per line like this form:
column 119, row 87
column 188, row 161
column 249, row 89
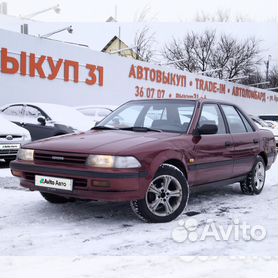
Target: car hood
column 99, row 141
column 9, row 128
column 273, row 130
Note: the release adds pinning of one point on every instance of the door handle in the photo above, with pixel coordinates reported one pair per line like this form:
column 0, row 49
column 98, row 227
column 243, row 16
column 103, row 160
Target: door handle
column 228, row 144
column 255, row 141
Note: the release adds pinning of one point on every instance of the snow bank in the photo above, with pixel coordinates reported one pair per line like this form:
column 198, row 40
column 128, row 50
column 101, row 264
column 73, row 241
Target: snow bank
column 84, row 239
column 137, row 266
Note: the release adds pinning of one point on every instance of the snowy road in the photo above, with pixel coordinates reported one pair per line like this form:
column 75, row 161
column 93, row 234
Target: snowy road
column 31, row 226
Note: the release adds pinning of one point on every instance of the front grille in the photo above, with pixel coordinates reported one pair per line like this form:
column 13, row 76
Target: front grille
column 13, row 136
column 4, row 152
column 58, row 157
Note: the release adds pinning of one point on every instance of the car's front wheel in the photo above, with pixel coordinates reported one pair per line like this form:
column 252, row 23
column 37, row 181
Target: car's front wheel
column 254, row 182
column 166, row 196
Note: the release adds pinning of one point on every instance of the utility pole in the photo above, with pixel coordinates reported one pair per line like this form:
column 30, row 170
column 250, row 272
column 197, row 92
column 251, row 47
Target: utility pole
column 116, row 13
column 4, row 8
column 120, row 45
column 267, row 67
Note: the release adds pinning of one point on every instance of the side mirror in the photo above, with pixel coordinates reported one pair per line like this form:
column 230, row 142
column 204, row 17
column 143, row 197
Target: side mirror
column 206, row 129
column 41, row 120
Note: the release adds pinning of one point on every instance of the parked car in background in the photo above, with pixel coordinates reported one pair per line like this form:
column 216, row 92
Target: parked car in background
column 269, row 117
column 45, row 120
column 264, row 125
column 149, row 152
column 12, row 137
column 96, row 112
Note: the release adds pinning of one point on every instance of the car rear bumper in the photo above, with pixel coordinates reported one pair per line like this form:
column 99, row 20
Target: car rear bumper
column 106, row 185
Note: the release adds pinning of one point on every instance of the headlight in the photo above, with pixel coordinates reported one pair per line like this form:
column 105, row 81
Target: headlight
column 108, row 161
column 26, row 137
column 25, row 154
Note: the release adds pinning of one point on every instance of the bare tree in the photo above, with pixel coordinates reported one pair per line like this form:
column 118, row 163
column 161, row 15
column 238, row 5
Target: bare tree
column 273, row 77
column 206, row 51
column 242, row 18
column 223, row 15
column 255, row 78
column 145, row 14
column 144, row 40
column 218, row 16
column 234, row 57
column 195, row 50
column 203, row 17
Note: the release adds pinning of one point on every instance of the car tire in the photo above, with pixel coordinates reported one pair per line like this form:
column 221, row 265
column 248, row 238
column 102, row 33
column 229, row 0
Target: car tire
column 54, row 199
column 254, row 182
column 166, row 197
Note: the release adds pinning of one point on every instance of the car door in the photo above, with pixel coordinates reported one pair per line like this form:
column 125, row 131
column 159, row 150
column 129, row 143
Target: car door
column 245, row 140
column 14, row 113
column 31, row 123
column 213, row 159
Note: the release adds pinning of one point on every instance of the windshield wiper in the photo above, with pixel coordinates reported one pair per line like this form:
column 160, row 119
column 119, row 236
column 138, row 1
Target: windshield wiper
column 103, row 127
column 140, row 129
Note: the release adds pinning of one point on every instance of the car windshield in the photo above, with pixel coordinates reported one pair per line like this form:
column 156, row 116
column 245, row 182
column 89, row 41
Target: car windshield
column 166, row 115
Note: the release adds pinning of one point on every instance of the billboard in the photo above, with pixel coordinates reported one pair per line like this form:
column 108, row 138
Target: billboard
column 34, row 69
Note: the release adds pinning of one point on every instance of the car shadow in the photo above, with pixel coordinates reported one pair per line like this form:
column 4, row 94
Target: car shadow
column 121, row 212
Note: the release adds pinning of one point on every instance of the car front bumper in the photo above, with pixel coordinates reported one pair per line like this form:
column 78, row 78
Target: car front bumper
column 11, row 153
column 89, row 184
column 276, row 140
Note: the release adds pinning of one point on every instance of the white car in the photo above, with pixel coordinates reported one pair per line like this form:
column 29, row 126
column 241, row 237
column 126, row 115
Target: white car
column 269, row 117
column 45, row 120
column 96, row 112
column 264, row 125
column 272, row 124
column 11, row 138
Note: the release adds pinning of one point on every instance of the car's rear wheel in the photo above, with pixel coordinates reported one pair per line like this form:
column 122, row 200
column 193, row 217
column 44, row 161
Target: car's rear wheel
column 166, row 196
column 54, row 199
column 254, row 182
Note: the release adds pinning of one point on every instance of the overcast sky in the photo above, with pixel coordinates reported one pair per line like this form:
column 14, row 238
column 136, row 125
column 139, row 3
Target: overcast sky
column 160, row 10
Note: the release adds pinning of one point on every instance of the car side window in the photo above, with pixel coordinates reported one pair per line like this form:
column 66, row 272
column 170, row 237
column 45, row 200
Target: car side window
column 235, row 122
column 246, row 123
column 211, row 114
column 31, row 115
column 14, row 113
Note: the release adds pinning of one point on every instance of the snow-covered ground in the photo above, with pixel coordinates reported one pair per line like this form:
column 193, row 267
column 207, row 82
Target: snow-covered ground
column 29, row 226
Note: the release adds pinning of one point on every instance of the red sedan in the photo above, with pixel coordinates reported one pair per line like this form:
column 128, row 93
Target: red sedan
column 150, row 152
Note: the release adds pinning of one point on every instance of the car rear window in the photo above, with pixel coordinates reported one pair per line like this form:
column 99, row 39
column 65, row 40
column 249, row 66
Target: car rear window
column 236, row 124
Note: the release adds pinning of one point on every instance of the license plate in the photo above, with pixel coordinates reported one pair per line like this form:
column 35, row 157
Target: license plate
column 9, row 146
column 52, row 182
